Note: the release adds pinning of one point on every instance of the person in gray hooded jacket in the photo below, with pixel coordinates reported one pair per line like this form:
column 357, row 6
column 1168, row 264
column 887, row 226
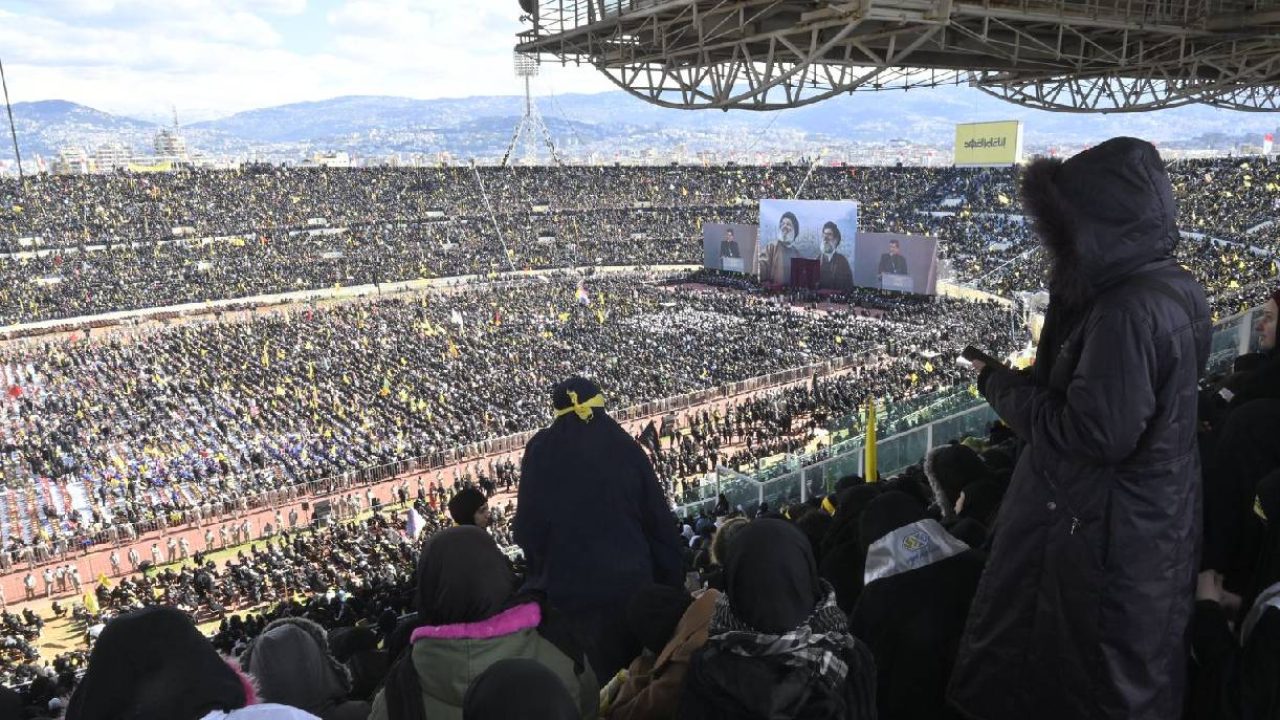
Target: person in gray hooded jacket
column 291, row 663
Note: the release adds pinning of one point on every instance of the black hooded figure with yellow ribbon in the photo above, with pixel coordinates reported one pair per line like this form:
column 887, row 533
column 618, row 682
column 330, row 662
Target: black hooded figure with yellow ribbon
column 593, row 522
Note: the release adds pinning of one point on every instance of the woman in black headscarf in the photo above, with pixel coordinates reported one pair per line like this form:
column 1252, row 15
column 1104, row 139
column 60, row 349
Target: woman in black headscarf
column 843, row 555
column 918, row 583
column 154, row 664
column 778, row 645
column 518, row 690
column 470, row 617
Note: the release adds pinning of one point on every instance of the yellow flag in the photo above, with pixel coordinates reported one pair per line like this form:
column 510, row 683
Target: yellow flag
column 91, row 603
column 870, row 472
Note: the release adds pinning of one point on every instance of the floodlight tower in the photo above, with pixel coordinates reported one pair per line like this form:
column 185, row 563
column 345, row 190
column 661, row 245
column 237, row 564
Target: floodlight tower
column 530, row 131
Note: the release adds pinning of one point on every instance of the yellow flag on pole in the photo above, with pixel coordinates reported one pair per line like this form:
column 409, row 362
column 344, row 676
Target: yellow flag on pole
column 869, row 472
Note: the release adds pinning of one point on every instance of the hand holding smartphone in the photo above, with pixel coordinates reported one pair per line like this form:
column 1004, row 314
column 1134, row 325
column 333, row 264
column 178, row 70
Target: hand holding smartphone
column 974, row 355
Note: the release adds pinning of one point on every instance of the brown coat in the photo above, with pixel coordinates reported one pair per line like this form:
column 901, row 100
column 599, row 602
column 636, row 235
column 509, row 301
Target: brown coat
column 654, row 692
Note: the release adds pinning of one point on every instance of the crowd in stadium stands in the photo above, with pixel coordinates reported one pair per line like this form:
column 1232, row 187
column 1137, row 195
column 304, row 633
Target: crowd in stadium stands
column 319, row 617
column 589, row 599
column 266, row 230
column 176, row 424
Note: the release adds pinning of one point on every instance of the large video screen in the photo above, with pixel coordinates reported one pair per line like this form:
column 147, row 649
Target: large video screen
column 731, row 248
column 822, row 234
column 891, row 261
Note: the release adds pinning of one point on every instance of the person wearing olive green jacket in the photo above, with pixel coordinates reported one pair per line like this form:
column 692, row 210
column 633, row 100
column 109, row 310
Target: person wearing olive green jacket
column 472, row 619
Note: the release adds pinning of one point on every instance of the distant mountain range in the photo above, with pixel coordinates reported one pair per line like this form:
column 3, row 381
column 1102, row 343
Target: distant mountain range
column 605, row 122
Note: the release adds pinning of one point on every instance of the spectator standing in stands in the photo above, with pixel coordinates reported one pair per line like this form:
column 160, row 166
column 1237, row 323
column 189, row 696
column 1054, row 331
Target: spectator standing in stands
column 470, row 507
column 919, row 581
column 154, row 663
column 1240, row 416
column 622, row 536
column 778, row 646
column 470, row 618
column 293, row 666
column 1083, row 609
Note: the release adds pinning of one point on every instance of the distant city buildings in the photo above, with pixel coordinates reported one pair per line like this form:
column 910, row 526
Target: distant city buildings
column 170, row 145
column 170, row 152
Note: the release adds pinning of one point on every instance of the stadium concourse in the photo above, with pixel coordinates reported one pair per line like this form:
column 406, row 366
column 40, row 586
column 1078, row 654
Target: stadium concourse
column 183, row 428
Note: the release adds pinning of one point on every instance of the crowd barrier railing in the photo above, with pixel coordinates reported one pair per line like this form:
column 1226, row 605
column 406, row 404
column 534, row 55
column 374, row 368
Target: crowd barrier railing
column 253, row 500
column 799, row 478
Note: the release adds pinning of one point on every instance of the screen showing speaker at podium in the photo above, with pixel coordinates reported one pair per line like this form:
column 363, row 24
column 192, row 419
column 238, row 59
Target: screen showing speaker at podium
column 731, row 248
column 816, row 244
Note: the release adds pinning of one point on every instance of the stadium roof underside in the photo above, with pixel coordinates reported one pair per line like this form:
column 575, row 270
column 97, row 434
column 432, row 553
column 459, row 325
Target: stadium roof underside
column 1065, row 55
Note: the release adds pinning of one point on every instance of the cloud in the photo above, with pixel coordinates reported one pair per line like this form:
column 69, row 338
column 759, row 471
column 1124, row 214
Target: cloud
column 141, row 56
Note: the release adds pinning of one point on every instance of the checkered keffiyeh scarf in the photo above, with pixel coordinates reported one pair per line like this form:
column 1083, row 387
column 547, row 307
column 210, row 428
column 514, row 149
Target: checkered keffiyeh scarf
column 818, row 644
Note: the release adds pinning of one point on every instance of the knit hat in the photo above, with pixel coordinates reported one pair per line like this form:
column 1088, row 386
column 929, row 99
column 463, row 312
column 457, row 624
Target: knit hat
column 463, row 506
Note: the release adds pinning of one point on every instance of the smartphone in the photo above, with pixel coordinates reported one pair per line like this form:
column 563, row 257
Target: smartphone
column 973, row 354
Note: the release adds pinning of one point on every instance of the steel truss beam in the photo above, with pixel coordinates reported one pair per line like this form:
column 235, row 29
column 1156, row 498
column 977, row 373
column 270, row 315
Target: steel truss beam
column 1065, row 55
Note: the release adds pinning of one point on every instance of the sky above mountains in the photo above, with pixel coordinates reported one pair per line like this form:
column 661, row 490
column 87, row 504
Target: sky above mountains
column 211, row 58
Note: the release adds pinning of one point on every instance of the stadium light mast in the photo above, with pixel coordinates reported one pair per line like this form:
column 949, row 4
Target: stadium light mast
column 531, row 128
column 13, row 132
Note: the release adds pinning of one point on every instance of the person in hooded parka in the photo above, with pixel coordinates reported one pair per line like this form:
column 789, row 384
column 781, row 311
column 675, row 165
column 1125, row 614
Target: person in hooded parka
column 1083, row 608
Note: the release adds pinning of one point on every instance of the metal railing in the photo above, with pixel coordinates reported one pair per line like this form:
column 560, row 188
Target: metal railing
column 799, row 478
column 253, row 500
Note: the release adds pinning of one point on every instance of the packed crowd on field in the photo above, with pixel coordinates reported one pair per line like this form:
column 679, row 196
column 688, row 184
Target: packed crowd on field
column 176, row 424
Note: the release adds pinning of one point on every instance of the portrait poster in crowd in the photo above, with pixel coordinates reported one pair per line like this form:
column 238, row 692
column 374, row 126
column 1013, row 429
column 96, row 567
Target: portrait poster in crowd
column 731, row 248
column 892, row 261
column 821, row 230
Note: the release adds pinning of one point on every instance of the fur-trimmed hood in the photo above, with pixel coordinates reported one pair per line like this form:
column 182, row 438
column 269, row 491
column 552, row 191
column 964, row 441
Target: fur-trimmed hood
column 291, row 664
column 1101, row 215
column 949, row 469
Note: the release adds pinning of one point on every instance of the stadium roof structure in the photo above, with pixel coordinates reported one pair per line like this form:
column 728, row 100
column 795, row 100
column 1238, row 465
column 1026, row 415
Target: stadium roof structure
column 1064, row 55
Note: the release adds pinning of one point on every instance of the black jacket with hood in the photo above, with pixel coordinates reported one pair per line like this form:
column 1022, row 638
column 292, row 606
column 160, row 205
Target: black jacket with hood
column 1083, row 609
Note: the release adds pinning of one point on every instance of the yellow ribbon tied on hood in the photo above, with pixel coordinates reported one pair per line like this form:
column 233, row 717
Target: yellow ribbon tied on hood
column 583, row 410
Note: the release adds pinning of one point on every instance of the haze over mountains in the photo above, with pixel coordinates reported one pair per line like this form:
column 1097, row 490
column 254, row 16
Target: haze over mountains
column 482, row 126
